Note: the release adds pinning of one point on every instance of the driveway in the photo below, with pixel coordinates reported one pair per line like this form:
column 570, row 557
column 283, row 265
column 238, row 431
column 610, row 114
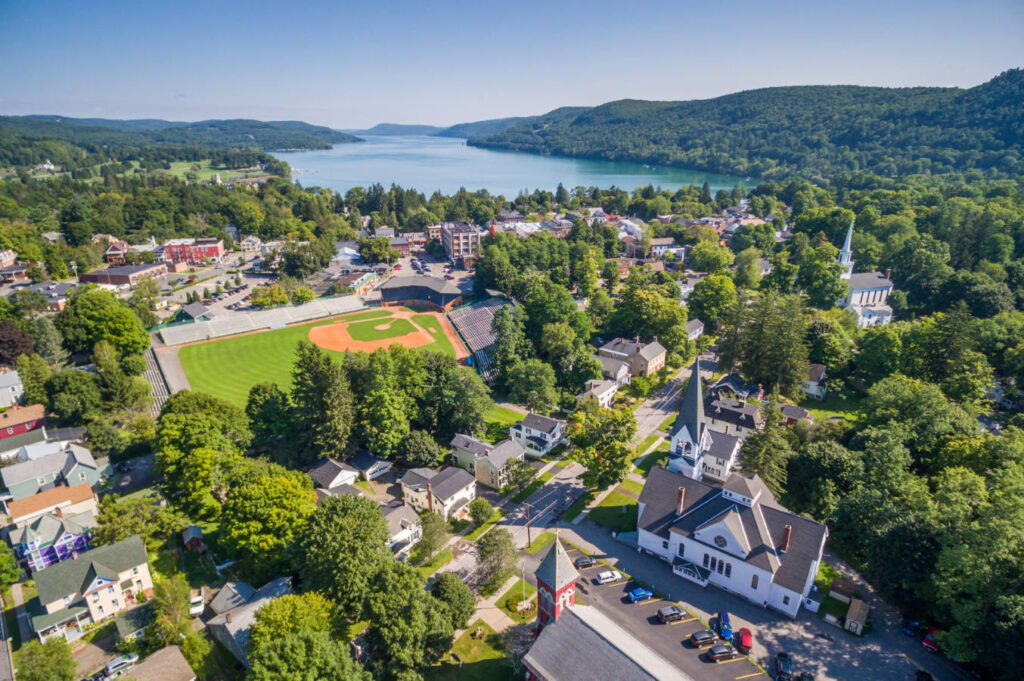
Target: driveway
column 139, row 476
column 92, row 656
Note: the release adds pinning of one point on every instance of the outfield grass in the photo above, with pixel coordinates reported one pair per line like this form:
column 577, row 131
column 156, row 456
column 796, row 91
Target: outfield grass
column 229, row 367
column 368, row 331
column 433, row 327
column 617, row 512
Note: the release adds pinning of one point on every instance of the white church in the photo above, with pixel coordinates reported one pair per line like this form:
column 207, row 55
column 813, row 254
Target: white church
column 869, row 291
column 720, row 528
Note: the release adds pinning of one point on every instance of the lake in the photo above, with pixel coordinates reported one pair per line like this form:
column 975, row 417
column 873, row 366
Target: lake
column 445, row 164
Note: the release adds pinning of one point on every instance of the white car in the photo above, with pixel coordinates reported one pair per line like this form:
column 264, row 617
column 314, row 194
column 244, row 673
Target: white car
column 196, row 604
column 609, row 576
column 119, row 665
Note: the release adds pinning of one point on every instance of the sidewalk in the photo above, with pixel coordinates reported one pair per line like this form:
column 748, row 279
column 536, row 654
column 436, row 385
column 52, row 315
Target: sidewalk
column 21, row 612
column 488, row 610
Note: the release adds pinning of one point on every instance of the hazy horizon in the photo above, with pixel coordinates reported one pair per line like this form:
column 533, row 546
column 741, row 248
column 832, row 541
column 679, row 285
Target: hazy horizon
column 353, row 66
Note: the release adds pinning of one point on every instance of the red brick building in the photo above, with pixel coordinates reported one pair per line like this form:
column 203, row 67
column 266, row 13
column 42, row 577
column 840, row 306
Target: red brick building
column 125, row 274
column 194, row 251
column 18, row 420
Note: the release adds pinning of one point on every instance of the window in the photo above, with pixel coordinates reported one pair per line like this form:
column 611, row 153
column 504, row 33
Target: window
column 753, row 582
column 664, row 544
column 99, row 609
column 110, row 589
column 721, row 566
column 714, row 563
column 728, row 570
column 81, row 476
column 705, row 560
column 135, row 570
column 96, row 597
column 681, row 550
column 785, row 600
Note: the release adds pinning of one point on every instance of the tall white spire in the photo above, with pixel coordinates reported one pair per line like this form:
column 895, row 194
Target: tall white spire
column 846, row 255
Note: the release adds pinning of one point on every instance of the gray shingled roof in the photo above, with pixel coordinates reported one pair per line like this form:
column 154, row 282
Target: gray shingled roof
column 691, row 409
column 47, row 465
column 449, row 482
column 652, row 350
column 864, row 281
column 432, row 283
column 398, row 516
column 736, row 411
column 539, row 422
column 556, row 570
column 231, row 595
column 471, row 444
column 71, row 576
column 610, row 366
column 326, row 470
column 503, row 452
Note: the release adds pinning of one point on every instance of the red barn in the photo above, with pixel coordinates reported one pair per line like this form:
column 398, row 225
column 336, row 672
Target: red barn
column 195, row 251
column 18, row 420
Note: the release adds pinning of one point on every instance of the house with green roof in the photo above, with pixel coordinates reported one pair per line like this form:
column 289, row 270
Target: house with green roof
column 89, row 588
column 52, row 538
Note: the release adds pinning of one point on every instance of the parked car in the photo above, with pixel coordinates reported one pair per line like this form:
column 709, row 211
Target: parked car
column 584, row 562
column 699, row 639
column 783, row 667
column 722, row 651
column 911, row 627
column 196, row 604
column 120, row 664
column 398, row 267
column 639, row 594
column 929, row 642
column 608, row 576
column 744, row 641
column 448, row 276
column 724, row 626
column 671, row 613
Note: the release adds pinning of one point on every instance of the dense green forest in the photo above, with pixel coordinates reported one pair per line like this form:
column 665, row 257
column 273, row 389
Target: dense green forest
column 77, row 143
column 474, row 129
column 813, row 130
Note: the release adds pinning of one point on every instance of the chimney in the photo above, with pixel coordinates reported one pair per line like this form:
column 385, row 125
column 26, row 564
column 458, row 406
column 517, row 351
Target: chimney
column 787, row 532
column 655, row 340
column 680, row 500
column 227, row 617
column 888, row 273
column 430, row 498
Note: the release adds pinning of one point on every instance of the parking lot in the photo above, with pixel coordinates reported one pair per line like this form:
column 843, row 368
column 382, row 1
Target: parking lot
column 669, row 640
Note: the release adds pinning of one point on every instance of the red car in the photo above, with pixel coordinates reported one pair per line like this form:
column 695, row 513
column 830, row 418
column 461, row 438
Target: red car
column 744, row 641
column 929, row 642
column 398, row 267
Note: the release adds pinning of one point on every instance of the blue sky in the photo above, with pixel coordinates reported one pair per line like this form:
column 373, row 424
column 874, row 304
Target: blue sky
column 352, row 65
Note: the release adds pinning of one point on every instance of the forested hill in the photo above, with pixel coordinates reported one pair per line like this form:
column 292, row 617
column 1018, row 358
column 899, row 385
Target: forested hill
column 492, row 126
column 813, row 130
column 27, row 140
column 389, row 129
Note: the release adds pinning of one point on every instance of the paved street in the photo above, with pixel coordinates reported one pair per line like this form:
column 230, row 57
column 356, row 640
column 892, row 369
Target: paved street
column 546, row 504
column 659, row 406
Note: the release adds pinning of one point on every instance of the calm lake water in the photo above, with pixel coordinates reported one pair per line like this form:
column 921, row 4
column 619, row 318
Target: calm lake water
column 445, row 164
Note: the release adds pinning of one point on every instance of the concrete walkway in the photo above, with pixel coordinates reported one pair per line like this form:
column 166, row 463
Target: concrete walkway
column 21, row 612
column 489, row 611
column 6, row 665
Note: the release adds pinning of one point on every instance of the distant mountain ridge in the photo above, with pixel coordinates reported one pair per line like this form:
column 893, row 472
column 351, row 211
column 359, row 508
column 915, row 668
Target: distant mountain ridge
column 463, row 130
column 814, row 130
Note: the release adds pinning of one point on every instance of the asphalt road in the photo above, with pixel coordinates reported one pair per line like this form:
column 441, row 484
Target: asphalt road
column 665, row 402
column 545, row 505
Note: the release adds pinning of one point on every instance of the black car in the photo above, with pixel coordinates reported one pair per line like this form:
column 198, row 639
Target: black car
column 911, row 627
column 699, row 639
column 585, row 562
column 784, row 667
column 723, row 651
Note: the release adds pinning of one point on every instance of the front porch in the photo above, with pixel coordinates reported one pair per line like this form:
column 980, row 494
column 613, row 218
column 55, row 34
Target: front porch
column 67, row 622
column 691, row 571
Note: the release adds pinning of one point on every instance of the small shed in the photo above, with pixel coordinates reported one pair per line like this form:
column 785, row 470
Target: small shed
column 369, row 466
column 857, row 616
column 193, row 538
column 841, row 590
column 132, row 623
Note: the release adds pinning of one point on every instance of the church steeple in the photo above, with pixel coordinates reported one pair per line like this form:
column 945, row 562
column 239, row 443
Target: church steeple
column 556, row 584
column 846, row 255
column 690, row 437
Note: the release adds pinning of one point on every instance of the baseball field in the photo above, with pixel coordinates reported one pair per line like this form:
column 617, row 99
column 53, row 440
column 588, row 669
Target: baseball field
column 229, row 367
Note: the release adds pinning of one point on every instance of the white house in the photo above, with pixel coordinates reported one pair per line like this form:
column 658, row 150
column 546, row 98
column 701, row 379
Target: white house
column 614, row 369
column 446, row 493
column 661, row 245
column 11, row 388
column 694, row 449
column 370, row 467
column 602, row 392
column 694, row 329
column 814, row 386
column 330, row 474
column 537, row 434
column 404, row 528
column 251, row 244
column 735, row 536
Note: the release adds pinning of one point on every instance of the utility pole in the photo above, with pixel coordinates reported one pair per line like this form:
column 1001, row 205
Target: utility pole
column 529, row 536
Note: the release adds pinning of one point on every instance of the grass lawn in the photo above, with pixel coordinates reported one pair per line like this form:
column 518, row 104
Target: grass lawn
column 540, row 542
column 617, row 512
column 436, row 563
column 577, row 507
column 228, row 367
column 365, row 486
column 838, row 404
column 667, row 423
column 368, row 331
column 481, row 529
column 11, row 621
column 563, row 463
column 826, row 574
column 513, row 596
column 483, row 659
column 630, row 486
column 356, row 628
column 207, row 171
column 525, row 493
column 834, row 607
column 497, row 421
column 647, row 443
column 658, row 456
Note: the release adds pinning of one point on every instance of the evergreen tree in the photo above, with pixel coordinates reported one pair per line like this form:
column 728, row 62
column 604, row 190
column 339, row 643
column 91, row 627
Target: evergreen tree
column 50, row 344
column 322, row 403
column 766, row 452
